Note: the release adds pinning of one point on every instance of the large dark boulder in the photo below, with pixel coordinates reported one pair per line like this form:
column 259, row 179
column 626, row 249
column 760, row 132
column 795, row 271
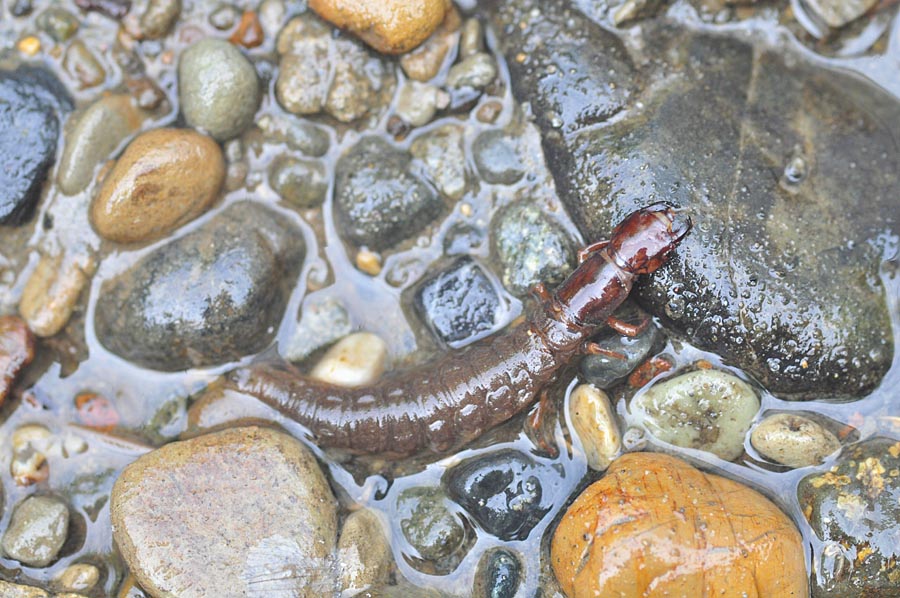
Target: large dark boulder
column 790, row 172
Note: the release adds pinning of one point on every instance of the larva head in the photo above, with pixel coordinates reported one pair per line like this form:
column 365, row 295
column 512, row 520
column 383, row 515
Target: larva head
column 642, row 242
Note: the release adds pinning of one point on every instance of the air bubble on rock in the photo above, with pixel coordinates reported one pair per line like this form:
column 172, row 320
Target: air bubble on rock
column 675, row 307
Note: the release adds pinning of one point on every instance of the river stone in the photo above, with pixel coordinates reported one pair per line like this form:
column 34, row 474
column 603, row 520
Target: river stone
column 498, row 575
column 793, row 439
column 378, row 200
column 165, row 178
column 706, row 410
column 242, row 512
column 32, row 105
column 430, row 525
column 218, row 88
column 211, row 296
column 854, row 508
column 17, row 347
column 364, row 552
column 778, row 276
column 36, row 531
column 440, row 154
column 96, row 133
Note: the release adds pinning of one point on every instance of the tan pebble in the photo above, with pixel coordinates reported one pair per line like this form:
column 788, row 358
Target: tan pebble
column 364, row 553
column 595, row 423
column 29, row 461
column 354, row 360
column 81, row 64
column 29, row 46
column 424, row 62
column 79, row 577
column 489, row 111
column 165, row 178
column 368, row 262
column 14, row 590
column 389, row 26
column 793, row 440
column 50, row 295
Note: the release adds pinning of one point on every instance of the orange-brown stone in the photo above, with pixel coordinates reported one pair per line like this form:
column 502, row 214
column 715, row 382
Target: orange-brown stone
column 656, row 526
column 16, row 351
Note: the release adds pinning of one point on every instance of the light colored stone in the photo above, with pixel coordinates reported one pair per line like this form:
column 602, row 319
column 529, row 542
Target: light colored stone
column 165, row 178
column 417, row 103
column 595, row 423
column 424, row 62
column 837, row 13
column 355, row 360
column 364, row 553
column 15, row 590
column 36, row 531
column 793, row 440
column 707, row 410
column 79, row 577
column 476, row 71
column 52, row 290
column 441, row 153
column 97, row 132
column 389, row 26
column 242, row 512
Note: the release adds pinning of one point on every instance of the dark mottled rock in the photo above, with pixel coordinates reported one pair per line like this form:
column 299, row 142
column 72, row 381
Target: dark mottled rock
column 458, row 303
column 21, row 8
column 498, row 576
column 768, row 153
column 497, row 159
column 431, row 527
column 379, row 201
column 211, row 296
column 506, row 492
column 605, row 371
column 114, row 9
column 531, row 247
column 854, row 508
column 303, row 183
column 33, row 104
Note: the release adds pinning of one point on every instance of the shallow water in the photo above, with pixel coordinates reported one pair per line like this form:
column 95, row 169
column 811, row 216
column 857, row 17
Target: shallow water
column 153, row 404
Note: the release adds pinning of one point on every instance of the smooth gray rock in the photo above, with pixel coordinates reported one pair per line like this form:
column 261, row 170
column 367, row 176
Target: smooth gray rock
column 218, row 88
column 209, row 297
column 36, row 531
column 772, row 156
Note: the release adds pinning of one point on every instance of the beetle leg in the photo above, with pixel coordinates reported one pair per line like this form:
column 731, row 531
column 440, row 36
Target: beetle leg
column 540, row 291
column 585, row 252
column 627, row 328
column 592, row 348
column 537, row 425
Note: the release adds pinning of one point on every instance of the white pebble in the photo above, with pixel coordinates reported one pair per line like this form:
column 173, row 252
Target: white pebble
column 793, row 440
column 355, row 360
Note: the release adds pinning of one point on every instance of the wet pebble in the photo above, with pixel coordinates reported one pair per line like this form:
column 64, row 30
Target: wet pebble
column 355, row 360
column 299, row 135
column 324, row 321
column 82, row 65
column 631, row 10
column 442, row 158
column 459, row 303
column 389, row 26
column 431, row 527
column 211, row 296
column 302, row 183
column 224, row 17
column 35, row 103
column 218, row 88
column 360, row 84
column 159, row 17
column 837, row 13
column 417, row 103
column 507, row 492
column 17, row 346
column 273, row 528
column 471, row 41
column 165, row 178
column 733, row 536
column 80, row 577
column 605, row 371
column 497, row 158
column 547, row 255
column 498, row 575
column 272, row 15
column 21, row 8
column 476, row 71
column 30, row 444
column 364, row 553
column 378, row 200
column 793, row 440
column 854, row 509
column 52, row 291
column 95, row 134
column 709, row 410
column 594, row 420
column 424, row 62
column 37, row 530
column 58, row 23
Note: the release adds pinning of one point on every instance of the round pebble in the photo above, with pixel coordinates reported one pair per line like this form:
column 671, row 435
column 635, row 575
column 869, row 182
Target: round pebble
column 476, row 71
column 302, row 183
column 165, row 178
column 793, row 440
column 707, row 410
column 218, row 88
column 37, row 530
column 364, row 553
column 79, row 577
column 431, row 527
column 595, row 423
column 497, row 159
column 355, row 360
